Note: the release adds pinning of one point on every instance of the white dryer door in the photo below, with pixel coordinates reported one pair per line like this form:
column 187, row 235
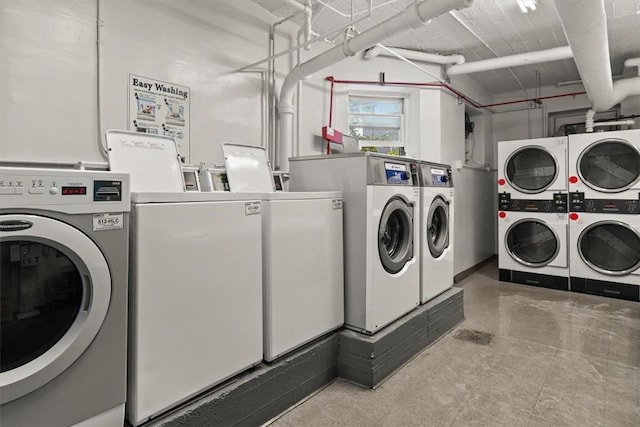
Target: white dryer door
column 532, row 169
column 610, row 165
column 610, row 247
column 55, row 289
column 533, row 242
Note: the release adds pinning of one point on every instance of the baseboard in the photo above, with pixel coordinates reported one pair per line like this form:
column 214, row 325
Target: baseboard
column 469, row 271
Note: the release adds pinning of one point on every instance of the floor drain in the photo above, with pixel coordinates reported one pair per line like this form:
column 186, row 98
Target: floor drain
column 476, row 337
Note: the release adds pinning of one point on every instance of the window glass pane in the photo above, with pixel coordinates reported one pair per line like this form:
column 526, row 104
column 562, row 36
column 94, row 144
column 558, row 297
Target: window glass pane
column 375, row 105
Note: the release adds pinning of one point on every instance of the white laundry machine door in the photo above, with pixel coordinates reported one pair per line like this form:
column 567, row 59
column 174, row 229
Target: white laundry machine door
column 56, row 289
column 610, row 247
column 395, row 235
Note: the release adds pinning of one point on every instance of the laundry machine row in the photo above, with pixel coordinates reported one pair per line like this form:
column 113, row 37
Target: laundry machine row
column 595, row 228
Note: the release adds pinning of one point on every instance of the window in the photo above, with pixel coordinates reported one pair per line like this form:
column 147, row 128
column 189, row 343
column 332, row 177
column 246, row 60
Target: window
column 377, row 121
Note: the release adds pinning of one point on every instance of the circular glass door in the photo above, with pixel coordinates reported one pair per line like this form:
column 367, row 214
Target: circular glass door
column 55, row 289
column 532, row 242
column 610, row 165
column 438, row 227
column 531, row 169
column 610, row 247
column 395, row 235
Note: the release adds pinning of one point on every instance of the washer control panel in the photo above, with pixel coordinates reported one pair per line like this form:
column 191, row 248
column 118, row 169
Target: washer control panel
column 435, row 175
column 578, row 203
column 78, row 190
column 556, row 205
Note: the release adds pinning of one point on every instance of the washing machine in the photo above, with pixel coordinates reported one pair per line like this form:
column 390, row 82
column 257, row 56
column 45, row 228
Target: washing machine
column 605, row 165
column 302, row 250
column 195, row 313
column 63, row 297
column 532, row 168
column 605, row 249
column 533, row 241
column 436, row 229
column 381, row 231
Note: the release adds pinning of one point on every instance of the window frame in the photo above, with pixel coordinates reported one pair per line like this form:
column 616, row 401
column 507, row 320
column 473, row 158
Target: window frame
column 379, row 95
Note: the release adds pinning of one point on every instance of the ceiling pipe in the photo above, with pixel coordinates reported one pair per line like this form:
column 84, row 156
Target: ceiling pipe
column 414, row 16
column 414, row 55
column 527, row 58
column 585, row 25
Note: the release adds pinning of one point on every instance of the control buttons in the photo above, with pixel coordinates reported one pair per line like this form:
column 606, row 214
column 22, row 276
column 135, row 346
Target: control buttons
column 6, row 190
column 36, row 190
column 573, row 216
column 502, row 181
column 443, row 179
column 53, row 190
column 502, row 214
column 573, row 179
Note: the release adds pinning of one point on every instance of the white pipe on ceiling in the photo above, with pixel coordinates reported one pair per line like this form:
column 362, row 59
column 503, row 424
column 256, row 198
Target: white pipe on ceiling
column 414, row 55
column 414, row 16
column 585, row 25
column 528, row 58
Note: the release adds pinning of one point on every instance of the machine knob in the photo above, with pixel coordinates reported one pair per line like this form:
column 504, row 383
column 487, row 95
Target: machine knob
column 53, row 190
column 443, row 179
column 404, row 176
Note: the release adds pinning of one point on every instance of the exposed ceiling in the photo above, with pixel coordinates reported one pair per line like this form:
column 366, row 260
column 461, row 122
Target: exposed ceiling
column 487, row 29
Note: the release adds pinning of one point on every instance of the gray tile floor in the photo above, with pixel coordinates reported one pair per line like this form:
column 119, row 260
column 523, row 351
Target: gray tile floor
column 556, row 358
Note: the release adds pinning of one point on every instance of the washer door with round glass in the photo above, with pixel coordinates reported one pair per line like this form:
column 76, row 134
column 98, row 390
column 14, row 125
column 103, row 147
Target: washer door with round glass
column 610, row 165
column 610, row 247
column 531, row 169
column 55, row 289
column 395, row 235
column 532, row 242
column 438, row 227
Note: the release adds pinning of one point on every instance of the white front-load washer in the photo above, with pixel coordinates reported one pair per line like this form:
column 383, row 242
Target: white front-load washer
column 436, row 229
column 533, row 242
column 605, row 165
column 381, row 231
column 532, row 168
column 605, row 253
column 302, row 253
column 63, row 297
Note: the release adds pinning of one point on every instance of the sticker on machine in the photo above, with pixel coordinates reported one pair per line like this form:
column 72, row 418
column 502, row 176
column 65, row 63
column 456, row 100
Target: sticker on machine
column 107, row 221
column 336, row 204
column 252, row 208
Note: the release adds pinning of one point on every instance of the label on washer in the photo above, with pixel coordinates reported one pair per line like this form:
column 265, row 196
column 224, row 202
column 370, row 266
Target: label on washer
column 107, row 221
column 336, row 204
column 252, row 208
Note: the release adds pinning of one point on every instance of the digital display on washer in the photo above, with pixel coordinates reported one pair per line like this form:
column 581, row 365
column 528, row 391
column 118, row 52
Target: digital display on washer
column 397, row 173
column 74, row 191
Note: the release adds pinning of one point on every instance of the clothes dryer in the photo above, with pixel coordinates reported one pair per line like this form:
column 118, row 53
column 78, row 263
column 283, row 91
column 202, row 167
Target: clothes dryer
column 381, row 231
column 532, row 168
column 302, row 254
column 436, row 229
column 63, row 297
column 605, row 165
column 533, row 241
column 605, row 252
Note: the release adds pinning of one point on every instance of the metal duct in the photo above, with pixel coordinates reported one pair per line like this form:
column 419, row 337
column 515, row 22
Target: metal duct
column 585, row 25
column 528, row 58
column 414, row 16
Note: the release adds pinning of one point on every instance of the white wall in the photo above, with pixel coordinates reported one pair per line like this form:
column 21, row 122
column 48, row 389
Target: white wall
column 48, row 107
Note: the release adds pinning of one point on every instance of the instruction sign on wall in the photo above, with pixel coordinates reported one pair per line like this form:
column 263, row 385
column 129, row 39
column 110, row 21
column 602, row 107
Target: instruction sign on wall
column 160, row 108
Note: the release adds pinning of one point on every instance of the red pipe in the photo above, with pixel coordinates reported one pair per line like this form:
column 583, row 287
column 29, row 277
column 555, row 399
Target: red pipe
column 456, row 92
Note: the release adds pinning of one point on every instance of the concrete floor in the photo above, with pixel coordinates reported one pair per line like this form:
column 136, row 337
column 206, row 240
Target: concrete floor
column 556, row 358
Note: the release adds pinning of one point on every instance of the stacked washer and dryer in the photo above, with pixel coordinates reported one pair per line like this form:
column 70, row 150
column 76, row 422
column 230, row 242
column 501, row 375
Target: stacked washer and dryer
column 63, row 297
column 604, row 190
column 532, row 218
column 382, row 241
